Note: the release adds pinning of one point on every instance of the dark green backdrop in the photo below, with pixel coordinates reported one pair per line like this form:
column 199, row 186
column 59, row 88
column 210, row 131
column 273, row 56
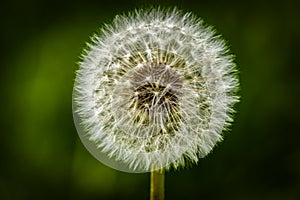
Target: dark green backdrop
column 42, row 156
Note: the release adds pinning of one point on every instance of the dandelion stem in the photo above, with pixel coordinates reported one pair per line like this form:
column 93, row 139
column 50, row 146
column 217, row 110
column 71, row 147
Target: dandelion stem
column 157, row 185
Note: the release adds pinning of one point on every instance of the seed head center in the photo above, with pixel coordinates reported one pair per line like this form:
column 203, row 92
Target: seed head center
column 155, row 97
column 156, row 93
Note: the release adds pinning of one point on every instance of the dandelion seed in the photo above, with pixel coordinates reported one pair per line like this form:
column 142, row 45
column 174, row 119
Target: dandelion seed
column 154, row 89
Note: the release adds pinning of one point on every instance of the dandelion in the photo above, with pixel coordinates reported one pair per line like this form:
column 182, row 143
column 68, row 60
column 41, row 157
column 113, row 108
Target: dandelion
column 154, row 90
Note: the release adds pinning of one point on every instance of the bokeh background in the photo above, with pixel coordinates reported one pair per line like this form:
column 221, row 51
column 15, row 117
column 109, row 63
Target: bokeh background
column 41, row 156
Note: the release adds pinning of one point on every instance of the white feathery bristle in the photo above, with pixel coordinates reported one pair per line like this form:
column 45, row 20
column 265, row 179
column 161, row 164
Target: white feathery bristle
column 154, row 89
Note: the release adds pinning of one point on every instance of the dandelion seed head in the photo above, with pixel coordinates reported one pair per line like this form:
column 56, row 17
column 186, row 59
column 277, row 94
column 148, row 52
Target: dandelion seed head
column 155, row 88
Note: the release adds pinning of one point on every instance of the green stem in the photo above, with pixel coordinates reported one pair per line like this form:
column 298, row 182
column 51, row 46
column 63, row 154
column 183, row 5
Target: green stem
column 157, row 185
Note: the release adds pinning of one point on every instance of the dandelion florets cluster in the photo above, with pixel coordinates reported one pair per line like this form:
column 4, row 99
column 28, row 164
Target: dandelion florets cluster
column 154, row 89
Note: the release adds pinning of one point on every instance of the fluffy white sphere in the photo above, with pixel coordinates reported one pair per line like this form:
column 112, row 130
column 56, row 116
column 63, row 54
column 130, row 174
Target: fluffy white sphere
column 154, row 89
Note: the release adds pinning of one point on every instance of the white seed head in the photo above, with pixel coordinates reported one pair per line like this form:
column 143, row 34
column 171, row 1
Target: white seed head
column 155, row 89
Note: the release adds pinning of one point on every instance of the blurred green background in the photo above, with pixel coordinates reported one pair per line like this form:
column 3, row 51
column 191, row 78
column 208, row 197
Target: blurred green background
column 41, row 156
